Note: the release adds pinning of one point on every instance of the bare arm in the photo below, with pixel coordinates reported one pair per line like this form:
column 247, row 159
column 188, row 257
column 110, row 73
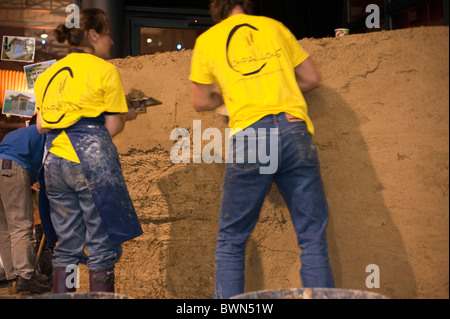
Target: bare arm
column 115, row 124
column 39, row 125
column 205, row 99
column 308, row 77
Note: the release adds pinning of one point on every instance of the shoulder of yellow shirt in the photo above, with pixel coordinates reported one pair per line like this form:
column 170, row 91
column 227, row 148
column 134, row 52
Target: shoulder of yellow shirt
column 83, row 58
column 86, row 58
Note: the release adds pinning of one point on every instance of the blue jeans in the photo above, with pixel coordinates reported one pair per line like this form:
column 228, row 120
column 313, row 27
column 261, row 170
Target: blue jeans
column 245, row 187
column 75, row 218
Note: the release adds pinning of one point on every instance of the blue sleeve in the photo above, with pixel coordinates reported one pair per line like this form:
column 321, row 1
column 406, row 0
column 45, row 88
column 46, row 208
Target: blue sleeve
column 25, row 146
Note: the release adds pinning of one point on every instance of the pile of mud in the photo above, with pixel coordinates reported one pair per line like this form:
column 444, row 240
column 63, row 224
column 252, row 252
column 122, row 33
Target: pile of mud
column 381, row 120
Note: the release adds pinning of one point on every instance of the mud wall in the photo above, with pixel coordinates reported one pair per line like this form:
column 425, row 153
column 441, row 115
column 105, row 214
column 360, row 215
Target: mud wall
column 381, row 121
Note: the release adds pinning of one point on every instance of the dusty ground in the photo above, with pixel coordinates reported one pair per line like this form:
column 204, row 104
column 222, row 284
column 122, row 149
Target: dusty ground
column 381, row 121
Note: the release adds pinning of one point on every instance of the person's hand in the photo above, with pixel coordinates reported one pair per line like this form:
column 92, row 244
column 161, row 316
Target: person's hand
column 131, row 115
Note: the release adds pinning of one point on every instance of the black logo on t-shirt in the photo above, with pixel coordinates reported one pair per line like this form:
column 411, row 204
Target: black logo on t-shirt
column 233, row 65
column 246, row 51
column 68, row 69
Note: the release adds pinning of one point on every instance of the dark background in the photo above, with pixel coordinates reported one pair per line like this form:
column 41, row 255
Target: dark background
column 319, row 18
column 304, row 18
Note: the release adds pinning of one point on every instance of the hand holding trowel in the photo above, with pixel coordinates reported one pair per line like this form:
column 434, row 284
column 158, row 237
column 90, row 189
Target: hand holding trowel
column 140, row 101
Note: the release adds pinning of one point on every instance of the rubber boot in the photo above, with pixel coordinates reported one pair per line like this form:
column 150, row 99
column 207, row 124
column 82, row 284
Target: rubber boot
column 101, row 280
column 59, row 281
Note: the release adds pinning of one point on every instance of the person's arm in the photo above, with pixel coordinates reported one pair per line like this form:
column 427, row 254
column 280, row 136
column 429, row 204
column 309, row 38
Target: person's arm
column 205, row 99
column 308, row 77
column 115, row 123
column 39, row 125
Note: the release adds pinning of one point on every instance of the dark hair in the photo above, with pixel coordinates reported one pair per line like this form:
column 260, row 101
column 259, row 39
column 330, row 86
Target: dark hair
column 221, row 9
column 92, row 18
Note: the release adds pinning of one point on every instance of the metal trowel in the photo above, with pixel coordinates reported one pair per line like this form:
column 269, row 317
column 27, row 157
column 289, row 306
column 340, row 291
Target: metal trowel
column 141, row 104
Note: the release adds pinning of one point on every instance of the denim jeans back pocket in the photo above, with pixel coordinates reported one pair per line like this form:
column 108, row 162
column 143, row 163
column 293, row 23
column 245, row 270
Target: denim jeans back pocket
column 76, row 178
column 306, row 147
column 245, row 153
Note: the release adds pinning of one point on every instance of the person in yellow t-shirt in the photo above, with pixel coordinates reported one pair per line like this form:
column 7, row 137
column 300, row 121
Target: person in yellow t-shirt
column 61, row 107
column 81, row 106
column 262, row 72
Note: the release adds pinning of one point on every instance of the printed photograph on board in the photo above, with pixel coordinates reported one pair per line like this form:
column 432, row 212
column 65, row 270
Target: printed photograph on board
column 19, row 49
column 19, row 103
column 33, row 71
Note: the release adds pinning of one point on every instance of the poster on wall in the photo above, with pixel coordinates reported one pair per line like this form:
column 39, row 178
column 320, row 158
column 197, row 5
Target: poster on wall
column 19, row 103
column 33, row 71
column 19, row 49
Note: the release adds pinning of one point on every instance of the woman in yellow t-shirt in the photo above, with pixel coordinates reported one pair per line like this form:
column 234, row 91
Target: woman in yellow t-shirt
column 81, row 107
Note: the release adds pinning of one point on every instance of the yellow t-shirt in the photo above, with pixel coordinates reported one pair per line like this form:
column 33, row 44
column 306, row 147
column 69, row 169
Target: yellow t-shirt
column 79, row 85
column 253, row 59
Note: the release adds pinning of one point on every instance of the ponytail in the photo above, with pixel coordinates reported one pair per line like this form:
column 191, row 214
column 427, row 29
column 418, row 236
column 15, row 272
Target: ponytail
column 93, row 18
